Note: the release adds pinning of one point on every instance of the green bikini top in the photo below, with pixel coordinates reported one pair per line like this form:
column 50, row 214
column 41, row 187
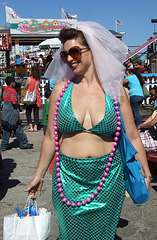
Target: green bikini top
column 67, row 122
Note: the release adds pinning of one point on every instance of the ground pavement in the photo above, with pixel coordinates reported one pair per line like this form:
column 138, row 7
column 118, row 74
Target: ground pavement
column 138, row 222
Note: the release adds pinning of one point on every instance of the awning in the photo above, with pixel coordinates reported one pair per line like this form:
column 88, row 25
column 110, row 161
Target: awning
column 50, row 43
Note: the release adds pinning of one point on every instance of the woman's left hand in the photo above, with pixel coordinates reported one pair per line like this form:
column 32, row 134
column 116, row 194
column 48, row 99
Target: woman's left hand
column 147, row 181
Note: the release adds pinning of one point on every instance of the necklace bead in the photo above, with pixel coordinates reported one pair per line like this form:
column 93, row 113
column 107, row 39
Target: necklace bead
column 111, row 154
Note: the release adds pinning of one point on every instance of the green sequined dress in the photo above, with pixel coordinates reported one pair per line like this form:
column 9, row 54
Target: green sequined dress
column 98, row 219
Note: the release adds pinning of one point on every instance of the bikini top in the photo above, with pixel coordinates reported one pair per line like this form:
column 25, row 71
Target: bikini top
column 67, row 122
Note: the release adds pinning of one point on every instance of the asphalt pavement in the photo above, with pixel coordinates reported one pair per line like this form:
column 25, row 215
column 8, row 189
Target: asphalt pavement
column 137, row 222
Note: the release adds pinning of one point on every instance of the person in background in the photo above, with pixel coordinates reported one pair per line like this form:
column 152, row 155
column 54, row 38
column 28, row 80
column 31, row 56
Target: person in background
column 21, row 80
column 1, row 166
column 30, row 85
column 146, row 68
column 135, row 94
column 153, row 96
column 130, row 64
column 33, row 61
column 20, row 83
column 138, row 67
column 41, row 63
column 27, row 64
column 11, row 119
column 150, row 144
column 44, row 120
column 27, row 59
column 88, row 184
column 1, row 93
column 49, row 58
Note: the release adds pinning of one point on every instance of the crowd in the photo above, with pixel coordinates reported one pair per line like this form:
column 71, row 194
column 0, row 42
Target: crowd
column 42, row 62
column 84, row 115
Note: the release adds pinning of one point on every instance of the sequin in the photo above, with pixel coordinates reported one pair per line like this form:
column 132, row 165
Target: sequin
column 67, row 122
column 97, row 219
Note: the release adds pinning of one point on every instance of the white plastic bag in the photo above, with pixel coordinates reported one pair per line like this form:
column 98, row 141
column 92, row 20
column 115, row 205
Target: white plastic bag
column 27, row 228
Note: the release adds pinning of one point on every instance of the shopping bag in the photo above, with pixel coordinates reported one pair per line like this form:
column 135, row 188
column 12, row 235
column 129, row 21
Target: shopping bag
column 29, row 227
column 30, row 97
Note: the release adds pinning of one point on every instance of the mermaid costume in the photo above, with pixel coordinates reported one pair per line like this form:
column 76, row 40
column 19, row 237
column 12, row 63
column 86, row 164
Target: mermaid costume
column 98, row 219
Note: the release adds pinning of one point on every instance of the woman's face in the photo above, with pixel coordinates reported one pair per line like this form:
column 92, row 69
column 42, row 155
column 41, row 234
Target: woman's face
column 78, row 66
column 127, row 73
column 152, row 95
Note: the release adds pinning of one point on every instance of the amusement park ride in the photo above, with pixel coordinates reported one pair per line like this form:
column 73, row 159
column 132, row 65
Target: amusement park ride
column 150, row 44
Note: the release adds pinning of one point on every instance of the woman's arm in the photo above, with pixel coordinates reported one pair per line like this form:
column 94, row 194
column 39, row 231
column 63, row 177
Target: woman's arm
column 47, row 147
column 148, row 123
column 27, row 83
column 125, row 80
column 133, row 135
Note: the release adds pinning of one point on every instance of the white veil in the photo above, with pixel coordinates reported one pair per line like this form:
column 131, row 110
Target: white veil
column 108, row 52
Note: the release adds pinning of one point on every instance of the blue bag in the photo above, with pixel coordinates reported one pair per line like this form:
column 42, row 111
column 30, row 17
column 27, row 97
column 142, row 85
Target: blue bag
column 133, row 172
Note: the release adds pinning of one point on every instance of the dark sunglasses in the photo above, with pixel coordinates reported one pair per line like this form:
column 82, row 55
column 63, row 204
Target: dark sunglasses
column 152, row 94
column 74, row 52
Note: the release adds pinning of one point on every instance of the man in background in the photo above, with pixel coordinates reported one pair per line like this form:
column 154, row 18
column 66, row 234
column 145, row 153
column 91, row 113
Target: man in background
column 49, row 58
column 11, row 118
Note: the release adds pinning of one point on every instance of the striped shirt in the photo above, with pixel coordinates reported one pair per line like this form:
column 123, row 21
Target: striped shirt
column 9, row 94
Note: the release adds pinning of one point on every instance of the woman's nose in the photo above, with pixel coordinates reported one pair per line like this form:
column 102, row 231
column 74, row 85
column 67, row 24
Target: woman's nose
column 69, row 58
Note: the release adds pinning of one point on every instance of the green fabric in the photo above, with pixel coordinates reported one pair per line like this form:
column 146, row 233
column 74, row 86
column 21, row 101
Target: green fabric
column 98, row 219
column 67, row 122
column 45, row 113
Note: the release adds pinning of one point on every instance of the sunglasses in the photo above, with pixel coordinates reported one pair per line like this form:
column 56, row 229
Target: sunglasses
column 74, row 52
column 152, row 94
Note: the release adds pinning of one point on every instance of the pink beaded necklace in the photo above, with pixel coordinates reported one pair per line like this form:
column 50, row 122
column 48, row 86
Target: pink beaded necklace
column 117, row 133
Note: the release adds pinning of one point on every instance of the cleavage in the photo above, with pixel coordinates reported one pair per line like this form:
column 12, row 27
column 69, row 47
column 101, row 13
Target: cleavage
column 85, row 114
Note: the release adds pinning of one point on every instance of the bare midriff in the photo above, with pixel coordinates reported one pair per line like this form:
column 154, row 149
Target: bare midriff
column 86, row 145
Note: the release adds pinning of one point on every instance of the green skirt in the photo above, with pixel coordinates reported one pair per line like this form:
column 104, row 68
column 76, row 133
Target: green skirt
column 98, row 219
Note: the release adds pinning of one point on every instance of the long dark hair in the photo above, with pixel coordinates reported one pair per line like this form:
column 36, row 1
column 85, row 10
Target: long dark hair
column 154, row 88
column 140, row 78
column 138, row 75
column 35, row 72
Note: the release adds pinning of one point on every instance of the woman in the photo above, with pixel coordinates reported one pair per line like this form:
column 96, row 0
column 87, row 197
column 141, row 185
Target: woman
column 150, row 144
column 135, row 93
column 153, row 96
column 1, row 92
column 30, row 85
column 87, row 200
column 41, row 63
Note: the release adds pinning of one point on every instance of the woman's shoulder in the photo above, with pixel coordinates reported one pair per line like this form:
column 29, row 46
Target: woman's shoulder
column 31, row 79
column 58, row 86
column 57, row 89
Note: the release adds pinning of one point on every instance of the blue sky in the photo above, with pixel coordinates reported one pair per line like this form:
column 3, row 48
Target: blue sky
column 135, row 15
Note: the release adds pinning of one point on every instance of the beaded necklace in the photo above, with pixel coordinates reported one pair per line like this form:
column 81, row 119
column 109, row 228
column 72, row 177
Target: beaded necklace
column 107, row 169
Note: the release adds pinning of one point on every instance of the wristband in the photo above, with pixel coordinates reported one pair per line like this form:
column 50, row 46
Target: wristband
column 41, row 179
column 149, row 177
